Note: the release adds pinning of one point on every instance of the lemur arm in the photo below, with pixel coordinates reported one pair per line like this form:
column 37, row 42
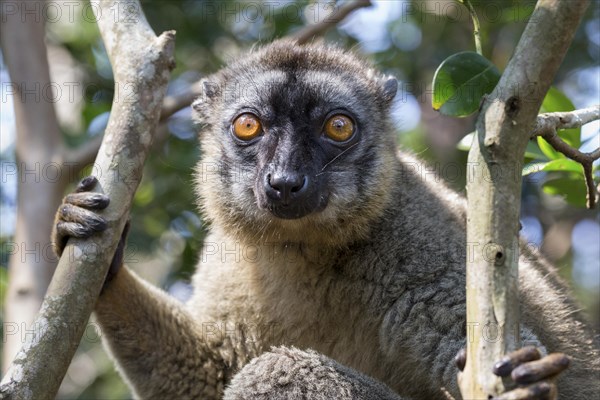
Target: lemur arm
column 157, row 345
column 159, row 349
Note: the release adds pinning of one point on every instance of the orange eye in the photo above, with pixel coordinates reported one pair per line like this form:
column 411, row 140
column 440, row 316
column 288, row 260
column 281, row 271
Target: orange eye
column 247, row 126
column 339, row 128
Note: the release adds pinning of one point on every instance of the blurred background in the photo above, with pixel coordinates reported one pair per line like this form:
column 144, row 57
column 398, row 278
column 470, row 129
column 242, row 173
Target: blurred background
column 407, row 39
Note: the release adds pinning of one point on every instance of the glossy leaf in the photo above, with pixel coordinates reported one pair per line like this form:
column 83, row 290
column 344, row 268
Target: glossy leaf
column 564, row 164
column 461, row 81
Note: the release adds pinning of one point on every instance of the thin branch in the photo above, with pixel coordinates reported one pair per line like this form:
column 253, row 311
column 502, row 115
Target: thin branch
column 547, row 126
column 174, row 103
column 310, row 31
column 476, row 25
column 86, row 153
column 565, row 120
column 143, row 61
column 585, row 159
column 560, row 145
column 83, row 155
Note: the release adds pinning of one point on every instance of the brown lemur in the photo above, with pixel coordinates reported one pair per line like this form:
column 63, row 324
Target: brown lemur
column 332, row 269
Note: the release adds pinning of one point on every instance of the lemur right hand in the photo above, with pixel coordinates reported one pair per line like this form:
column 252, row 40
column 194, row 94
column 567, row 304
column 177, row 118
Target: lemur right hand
column 77, row 217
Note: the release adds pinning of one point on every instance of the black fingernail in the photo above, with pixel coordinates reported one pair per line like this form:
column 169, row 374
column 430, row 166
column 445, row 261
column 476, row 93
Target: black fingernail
column 502, row 367
column 87, row 183
column 100, row 201
column 98, row 224
column 523, row 375
column 461, row 359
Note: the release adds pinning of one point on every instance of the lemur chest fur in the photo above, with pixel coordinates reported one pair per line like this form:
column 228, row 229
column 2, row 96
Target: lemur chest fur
column 336, row 302
column 291, row 294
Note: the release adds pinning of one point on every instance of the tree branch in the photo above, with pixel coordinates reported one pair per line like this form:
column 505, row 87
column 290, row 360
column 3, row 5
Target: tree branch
column 551, row 122
column 494, row 186
column 143, row 62
column 38, row 142
column 83, row 155
column 177, row 102
column 86, row 153
column 547, row 126
column 310, row 31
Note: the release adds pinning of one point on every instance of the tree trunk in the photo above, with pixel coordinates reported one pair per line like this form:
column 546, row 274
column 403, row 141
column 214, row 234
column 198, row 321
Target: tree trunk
column 504, row 126
column 141, row 63
column 41, row 178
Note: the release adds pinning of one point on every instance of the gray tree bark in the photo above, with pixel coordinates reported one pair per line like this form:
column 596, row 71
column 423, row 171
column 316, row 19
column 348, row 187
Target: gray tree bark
column 41, row 175
column 504, row 126
column 141, row 63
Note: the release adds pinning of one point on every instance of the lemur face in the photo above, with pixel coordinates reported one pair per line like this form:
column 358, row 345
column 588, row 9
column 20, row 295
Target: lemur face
column 296, row 134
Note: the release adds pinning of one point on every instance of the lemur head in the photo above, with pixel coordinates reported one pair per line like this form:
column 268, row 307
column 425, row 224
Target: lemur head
column 296, row 145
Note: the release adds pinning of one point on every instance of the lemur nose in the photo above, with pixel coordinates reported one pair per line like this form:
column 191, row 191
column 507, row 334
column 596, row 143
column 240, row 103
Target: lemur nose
column 286, row 187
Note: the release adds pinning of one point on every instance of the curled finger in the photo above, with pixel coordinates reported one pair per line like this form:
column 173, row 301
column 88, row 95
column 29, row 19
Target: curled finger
column 540, row 369
column 536, row 391
column 512, row 360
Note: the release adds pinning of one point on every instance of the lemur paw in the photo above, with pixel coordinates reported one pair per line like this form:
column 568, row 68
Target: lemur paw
column 533, row 374
column 77, row 217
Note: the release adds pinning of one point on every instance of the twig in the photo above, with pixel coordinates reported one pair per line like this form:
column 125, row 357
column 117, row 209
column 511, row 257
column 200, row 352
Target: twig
column 547, row 126
column 144, row 61
column 83, row 155
column 565, row 120
column 174, row 103
column 476, row 25
column 308, row 32
column 86, row 153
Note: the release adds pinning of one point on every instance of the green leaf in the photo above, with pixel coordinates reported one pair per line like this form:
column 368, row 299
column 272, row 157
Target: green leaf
column 572, row 189
column 461, row 81
column 563, row 164
column 548, row 150
column 557, row 101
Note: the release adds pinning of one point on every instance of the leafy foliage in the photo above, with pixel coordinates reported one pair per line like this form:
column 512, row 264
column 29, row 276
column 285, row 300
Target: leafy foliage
column 459, row 85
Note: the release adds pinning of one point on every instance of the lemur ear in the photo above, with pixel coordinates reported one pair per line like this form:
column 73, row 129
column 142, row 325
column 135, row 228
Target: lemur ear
column 390, row 88
column 209, row 90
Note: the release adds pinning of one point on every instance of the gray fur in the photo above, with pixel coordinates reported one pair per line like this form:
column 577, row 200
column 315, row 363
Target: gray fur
column 375, row 281
column 291, row 374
